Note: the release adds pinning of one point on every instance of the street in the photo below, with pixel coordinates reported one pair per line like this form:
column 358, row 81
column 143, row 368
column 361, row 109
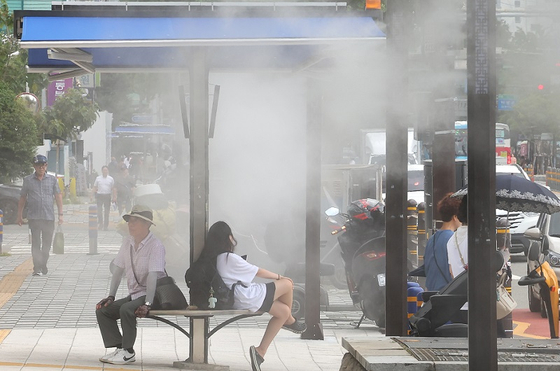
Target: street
column 526, row 323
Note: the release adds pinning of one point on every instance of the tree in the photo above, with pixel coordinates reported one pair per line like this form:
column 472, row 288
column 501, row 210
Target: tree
column 534, row 113
column 129, row 94
column 528, row 64
column 13, row 59
column 18, row 126
column 18, row 136
column 70, row 114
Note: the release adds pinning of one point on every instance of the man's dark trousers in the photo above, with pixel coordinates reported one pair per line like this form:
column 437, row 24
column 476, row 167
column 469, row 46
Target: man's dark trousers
column 103, row 201
column 40, row 247
column 107, row 319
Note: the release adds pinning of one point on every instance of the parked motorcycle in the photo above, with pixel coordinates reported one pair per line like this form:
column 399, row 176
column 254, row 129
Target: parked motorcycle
column 362, row 243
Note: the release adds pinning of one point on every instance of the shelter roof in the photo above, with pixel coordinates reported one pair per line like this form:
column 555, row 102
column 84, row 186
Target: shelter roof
column 104, row 39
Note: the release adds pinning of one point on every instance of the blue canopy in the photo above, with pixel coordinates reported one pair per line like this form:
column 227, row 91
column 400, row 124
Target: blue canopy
column 137, row 43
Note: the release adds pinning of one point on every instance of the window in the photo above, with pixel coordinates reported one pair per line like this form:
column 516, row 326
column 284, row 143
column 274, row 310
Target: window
column 517, row 4
column 517, row 19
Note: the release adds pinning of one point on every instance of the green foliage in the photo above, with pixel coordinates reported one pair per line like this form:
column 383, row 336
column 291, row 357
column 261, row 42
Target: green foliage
column 125, row 95
column 70, row 114
column 18, row 136
column 6, row 18
column 534, row 113
column 528, row 62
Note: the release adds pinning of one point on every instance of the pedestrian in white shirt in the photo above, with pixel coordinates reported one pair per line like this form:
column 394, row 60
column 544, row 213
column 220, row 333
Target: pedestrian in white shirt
column 105, row 193
column 458, row 255
column 457, row 246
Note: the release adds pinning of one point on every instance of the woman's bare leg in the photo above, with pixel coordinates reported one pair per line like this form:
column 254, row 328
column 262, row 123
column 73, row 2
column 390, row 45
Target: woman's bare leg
column 285, row 294
column 281, row 312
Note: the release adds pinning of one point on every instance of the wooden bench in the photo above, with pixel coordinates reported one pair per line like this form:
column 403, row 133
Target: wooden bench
column 199, row 328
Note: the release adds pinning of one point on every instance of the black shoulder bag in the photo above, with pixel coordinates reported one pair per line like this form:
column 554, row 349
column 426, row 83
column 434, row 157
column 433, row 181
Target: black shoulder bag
column 168, row 295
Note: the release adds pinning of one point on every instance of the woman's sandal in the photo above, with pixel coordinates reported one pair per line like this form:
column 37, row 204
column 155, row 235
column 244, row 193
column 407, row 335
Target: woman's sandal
column 256, row 359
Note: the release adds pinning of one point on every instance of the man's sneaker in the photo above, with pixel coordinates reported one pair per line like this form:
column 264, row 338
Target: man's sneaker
column 122, row 357
column 296, row 327
column 107, row 356
column 45, row 270
column 37, row 274
column 256, row 359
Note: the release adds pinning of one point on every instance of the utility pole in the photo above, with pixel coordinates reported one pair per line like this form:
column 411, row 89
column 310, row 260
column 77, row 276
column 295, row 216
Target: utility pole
column 481, row 81
column 398, row 25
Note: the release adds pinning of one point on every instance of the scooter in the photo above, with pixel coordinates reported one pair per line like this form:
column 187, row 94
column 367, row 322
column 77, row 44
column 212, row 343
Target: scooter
column 362, row 242
column 544, row 276
column 436, row 317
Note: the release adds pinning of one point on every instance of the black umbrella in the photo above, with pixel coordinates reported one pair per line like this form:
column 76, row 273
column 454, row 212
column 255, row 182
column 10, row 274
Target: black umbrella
column 514, row 193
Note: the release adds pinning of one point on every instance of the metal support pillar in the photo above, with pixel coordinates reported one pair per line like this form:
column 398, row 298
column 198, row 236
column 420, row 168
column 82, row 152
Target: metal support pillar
column 313, row 223
column 412, row 230
column 397, row 162
column 443, row 164
column 481, row 68
column 93, row 229
column 1, row 230
column 198, row 141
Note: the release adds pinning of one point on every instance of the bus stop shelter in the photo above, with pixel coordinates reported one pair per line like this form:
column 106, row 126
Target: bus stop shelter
column 76, row 38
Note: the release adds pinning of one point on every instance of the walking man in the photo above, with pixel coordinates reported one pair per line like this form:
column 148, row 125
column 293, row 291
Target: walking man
column 141, row 259
column 40, row 190
column 105, row 193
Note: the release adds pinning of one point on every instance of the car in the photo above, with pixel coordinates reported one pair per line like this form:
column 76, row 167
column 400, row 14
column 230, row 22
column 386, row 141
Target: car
column 415, row 183
column 9, row 198
column 546, row 237
column 519, row 221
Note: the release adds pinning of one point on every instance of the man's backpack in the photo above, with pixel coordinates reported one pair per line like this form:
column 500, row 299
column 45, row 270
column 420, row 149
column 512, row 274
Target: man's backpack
column 204, row 282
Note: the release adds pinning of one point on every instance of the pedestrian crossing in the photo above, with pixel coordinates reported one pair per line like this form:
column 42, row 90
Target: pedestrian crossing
column 74, row 249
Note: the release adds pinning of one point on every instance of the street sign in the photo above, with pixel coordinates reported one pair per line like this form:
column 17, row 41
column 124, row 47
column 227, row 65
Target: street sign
column 506, row 102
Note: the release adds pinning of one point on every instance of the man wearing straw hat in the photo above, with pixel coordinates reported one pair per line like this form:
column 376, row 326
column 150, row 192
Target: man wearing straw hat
column 141, row 259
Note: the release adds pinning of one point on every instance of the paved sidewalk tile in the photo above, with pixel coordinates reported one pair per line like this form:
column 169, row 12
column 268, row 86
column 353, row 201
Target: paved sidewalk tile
column 48, row 323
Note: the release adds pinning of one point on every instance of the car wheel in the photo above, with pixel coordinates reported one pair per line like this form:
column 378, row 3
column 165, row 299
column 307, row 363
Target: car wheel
column 10, row 209
column 534, row 302
column 298, row 304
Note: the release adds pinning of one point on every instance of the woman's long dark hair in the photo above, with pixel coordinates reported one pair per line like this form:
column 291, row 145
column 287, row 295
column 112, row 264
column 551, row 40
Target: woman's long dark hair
column 218, row 241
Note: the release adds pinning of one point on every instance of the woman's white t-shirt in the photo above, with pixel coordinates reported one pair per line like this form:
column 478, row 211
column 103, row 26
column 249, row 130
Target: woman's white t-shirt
column 233, row 268
column 458, row 242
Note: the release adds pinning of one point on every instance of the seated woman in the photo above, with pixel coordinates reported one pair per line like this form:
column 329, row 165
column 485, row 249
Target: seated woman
column 274, row 297
column 435, row 258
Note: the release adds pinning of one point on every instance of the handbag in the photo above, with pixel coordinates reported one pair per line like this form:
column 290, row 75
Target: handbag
column 58, row 242
column 505, row 303
column 168, row 295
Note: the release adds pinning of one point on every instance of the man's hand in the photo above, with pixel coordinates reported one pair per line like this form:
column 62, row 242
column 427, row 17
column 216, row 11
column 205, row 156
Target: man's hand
column 142, row 311
column 105, row 302
column 19, row 221
column 60, row 220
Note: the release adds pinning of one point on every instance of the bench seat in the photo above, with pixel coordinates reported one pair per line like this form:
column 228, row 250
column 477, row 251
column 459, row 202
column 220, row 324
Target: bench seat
column 200, row 312
column 199, row 328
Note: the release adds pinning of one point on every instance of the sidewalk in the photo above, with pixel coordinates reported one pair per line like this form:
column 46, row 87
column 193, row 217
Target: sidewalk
column 48, row 323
